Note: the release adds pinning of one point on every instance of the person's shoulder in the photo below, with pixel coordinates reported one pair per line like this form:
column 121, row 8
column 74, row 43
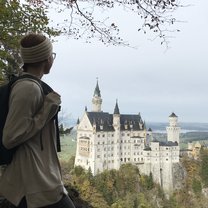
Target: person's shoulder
column 27, row 85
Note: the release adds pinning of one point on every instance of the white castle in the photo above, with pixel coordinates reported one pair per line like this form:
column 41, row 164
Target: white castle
column 106, row 141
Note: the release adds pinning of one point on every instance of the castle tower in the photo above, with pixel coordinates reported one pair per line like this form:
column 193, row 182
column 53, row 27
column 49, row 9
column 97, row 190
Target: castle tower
column 96, row 100
column 173, row 130
column 116, row 117
column 117, row 136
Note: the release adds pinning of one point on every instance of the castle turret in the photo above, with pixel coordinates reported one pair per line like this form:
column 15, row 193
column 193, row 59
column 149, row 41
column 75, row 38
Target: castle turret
column 117, row 137
column 96, row 100
column 173, row 130
column 116, row 117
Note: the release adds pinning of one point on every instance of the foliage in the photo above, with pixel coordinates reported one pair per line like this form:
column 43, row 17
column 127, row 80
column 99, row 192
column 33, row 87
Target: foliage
column 171, row 203
column 16, row 19
column 204, row 166
column 78, row 171
column 196, row 186
column 80, row 18
column 147, row 182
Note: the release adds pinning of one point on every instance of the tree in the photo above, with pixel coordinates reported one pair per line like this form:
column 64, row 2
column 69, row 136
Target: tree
column 80, row 19
column 196, row 186
column 16, row 19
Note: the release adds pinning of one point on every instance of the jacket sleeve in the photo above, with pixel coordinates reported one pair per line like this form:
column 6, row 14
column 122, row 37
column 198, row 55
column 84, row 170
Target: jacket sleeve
column 29, row 111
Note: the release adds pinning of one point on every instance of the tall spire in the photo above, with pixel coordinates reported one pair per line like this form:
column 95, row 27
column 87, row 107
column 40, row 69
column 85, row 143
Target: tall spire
column 96, row 100
column 97, row 90
column 116, row 109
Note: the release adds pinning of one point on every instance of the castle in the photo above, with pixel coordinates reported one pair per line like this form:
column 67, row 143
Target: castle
column 106, row 141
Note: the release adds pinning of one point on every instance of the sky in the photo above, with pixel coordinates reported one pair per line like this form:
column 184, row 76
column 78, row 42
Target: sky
column 150, row 79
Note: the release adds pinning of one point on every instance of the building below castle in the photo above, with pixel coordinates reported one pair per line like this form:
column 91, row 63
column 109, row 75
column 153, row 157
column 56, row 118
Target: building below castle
column 106, row 141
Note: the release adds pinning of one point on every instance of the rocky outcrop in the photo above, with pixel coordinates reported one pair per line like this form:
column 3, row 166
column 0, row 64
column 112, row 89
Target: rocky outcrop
column 179, row 175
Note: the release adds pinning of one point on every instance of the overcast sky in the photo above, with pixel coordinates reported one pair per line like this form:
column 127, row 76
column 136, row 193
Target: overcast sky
column 148, row 79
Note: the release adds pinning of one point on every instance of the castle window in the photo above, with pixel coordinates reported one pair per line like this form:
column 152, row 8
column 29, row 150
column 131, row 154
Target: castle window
column 98, row 156
column 98, row 135
column 103, row 135
column 128, row 134
column 112, row 135
column 166, row 159
column 121, row 159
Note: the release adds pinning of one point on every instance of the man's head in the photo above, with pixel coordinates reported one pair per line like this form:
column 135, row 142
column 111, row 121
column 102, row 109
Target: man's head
column 36, row 51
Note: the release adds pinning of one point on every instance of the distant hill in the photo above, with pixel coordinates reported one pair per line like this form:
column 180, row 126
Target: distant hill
column 185, row 127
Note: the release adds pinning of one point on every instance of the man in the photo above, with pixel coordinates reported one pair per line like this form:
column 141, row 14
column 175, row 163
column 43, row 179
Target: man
column 33, row 179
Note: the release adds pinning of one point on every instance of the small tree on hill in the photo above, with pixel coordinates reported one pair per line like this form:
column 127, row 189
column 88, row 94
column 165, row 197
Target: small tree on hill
column 204, row 166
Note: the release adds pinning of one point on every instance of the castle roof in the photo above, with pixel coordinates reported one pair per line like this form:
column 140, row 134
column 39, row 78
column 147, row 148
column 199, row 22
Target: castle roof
column 173, row 115
column 116, row 109
column 104, row 121
column 97, row 90
column 168, row 143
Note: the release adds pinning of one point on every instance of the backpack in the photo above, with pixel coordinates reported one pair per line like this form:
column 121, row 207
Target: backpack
column 5, row 154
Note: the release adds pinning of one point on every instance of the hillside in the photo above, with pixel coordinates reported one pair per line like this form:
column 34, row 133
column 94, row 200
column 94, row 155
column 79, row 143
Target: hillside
column 127, row 188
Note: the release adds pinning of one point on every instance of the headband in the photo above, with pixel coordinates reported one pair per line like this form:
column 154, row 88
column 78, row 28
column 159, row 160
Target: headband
column 37, row 53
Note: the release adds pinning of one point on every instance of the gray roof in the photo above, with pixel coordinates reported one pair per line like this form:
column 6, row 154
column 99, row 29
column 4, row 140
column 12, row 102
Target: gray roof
column 168, row 143
column 105, row 120
column 116, row 109
column 97, row 90
column 173, row 115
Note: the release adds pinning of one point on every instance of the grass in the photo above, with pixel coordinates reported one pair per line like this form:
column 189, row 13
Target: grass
column 68, row 147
